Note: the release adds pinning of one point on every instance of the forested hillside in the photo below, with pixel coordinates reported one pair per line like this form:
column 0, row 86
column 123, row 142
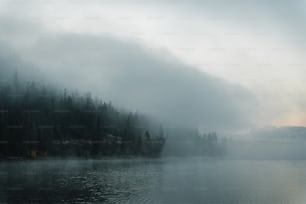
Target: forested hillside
column 41, row 121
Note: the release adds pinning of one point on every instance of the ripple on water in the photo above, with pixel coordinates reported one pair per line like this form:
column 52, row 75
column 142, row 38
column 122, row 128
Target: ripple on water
column 153, row 181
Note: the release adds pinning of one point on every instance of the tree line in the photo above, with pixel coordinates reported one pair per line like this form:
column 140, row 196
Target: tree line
column 40, row 121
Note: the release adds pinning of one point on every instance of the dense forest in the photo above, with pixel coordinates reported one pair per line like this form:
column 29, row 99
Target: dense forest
column 39, row 121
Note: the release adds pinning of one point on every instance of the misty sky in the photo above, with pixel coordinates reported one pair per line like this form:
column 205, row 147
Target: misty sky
column 225, row 65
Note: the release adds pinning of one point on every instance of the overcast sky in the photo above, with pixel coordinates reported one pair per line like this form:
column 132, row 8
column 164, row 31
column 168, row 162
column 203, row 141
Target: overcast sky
column 226, row 64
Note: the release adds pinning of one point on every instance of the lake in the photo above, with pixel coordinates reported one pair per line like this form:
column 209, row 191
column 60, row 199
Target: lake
column 164, row 180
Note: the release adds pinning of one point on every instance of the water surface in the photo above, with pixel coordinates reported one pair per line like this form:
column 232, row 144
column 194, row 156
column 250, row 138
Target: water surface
column 166, row 180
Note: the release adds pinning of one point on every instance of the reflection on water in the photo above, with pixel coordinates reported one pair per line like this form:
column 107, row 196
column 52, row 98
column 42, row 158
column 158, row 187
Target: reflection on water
column 168, row 180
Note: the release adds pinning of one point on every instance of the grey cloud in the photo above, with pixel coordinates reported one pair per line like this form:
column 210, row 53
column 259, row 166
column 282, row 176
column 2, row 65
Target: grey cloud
column 135, row 77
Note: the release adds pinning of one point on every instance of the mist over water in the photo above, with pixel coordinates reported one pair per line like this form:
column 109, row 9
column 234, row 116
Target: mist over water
column 166, row 180
column 152, row 101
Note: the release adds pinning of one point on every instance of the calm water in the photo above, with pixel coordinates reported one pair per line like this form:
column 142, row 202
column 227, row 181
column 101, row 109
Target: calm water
column 168, row 180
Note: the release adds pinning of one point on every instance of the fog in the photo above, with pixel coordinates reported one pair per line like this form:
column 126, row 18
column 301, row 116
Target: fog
column 141, row 77
column 129, row 74
column 201, row 101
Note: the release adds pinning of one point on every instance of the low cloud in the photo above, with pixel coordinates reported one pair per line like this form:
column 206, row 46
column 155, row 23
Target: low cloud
column 134, row 77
